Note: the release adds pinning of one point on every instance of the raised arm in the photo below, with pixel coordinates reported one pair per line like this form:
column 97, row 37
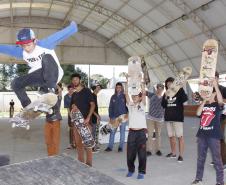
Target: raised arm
column 143, row 93
column 51, row 41
column 219, row 96
column 12, row 50
column 126, row 91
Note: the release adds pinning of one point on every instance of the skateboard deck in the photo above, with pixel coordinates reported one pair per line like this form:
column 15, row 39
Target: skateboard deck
column 134, row 75
column 113, row 124
column 42, row 105
column 78, row 120
column 208, row 68
column 145, row 72
column 179, row 82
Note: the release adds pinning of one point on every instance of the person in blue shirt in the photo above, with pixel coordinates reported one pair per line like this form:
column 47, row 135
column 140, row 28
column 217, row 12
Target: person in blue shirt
column 116, row 108
column 45, row 70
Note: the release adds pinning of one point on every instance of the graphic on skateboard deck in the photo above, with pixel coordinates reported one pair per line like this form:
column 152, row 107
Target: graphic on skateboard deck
column 134, row 75
column 179, row 82
column 145, row 72
column 113, row 124
column 43, row 104
column 208, row 68
column 78, row 120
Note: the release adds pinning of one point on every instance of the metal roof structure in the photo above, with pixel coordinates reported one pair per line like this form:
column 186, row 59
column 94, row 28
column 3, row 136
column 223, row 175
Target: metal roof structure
column 168, row 33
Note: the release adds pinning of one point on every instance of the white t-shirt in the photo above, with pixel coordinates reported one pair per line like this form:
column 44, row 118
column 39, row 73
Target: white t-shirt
column 34, row 59
column 137, row 119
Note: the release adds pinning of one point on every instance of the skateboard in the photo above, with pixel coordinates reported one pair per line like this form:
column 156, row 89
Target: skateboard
column 134, row 75
column 145, row 72
column 179, row 82
column 113, row 124
column 77, row 120
column 43, row 104
column 208, row 68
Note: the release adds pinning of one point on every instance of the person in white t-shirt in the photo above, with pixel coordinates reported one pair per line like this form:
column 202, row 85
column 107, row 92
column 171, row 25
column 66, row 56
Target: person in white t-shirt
column 137, row 137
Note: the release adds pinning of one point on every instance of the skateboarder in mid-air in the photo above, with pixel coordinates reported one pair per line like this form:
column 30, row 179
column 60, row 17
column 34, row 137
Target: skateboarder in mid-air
column 45, row 70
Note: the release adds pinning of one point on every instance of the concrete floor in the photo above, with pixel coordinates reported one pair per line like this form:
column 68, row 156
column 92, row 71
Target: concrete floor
column 24, row 145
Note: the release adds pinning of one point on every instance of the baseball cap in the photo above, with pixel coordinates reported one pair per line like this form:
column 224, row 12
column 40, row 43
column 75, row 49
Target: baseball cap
column 25, row 36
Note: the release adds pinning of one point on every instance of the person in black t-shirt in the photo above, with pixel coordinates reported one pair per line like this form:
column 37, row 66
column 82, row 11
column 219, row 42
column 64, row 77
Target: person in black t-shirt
column 82, row 99
column 95, row 117
column 210, row 134
column 174, row 118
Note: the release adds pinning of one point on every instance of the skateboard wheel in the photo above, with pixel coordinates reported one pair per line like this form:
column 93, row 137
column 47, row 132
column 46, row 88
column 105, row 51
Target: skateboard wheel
column 13, row 125
column 28, row 127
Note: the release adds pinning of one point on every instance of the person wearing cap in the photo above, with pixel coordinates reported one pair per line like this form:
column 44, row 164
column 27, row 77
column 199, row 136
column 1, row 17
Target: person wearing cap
column 174, row 118
column 45, row 70
column 137, row 136
column 82, row 99
column 155, row 118
column 116, row 108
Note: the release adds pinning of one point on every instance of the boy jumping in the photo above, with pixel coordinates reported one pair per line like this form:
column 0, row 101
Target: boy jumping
column 45, row 70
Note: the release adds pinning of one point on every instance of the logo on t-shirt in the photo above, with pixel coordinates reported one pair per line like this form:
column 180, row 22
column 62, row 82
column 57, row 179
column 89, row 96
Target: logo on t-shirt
column 171, row 102
column 207, row 116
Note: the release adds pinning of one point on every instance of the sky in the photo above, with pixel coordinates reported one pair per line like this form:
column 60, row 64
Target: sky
column 105, row 70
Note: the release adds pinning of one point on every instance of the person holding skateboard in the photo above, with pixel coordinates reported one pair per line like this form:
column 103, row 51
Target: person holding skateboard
column 210, row 134
column 116, row 108
column 45, row 70
column 82, row 99
column 174, row 118
column 137, row 137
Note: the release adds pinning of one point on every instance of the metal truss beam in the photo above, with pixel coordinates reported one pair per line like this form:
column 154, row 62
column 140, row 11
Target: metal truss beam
column 114, row 13
column 140, row 33
column 181, row 4
column 91, row 10
column 50, row 6
column 68, row 13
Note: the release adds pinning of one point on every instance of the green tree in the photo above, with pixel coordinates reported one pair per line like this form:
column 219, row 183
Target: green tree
column 6, row 76
column 21, row 69
column 68, row 71
column 98, row 78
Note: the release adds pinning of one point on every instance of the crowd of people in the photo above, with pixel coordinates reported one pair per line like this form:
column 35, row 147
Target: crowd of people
column 142, row 125
column 45, row 72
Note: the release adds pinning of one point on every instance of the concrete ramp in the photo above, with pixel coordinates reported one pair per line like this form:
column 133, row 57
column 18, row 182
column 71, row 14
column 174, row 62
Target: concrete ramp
column 58, row 170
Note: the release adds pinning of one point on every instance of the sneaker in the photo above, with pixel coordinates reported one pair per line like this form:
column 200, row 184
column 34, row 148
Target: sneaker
column 97, row 148
column 180, row 159
column 108, row 149
column 140, row 176
column 120, row 150
column 129, row 174
column 149, row 153
column 211, row 164
column 159, row 153
column 197, row 182
column 170, row 155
